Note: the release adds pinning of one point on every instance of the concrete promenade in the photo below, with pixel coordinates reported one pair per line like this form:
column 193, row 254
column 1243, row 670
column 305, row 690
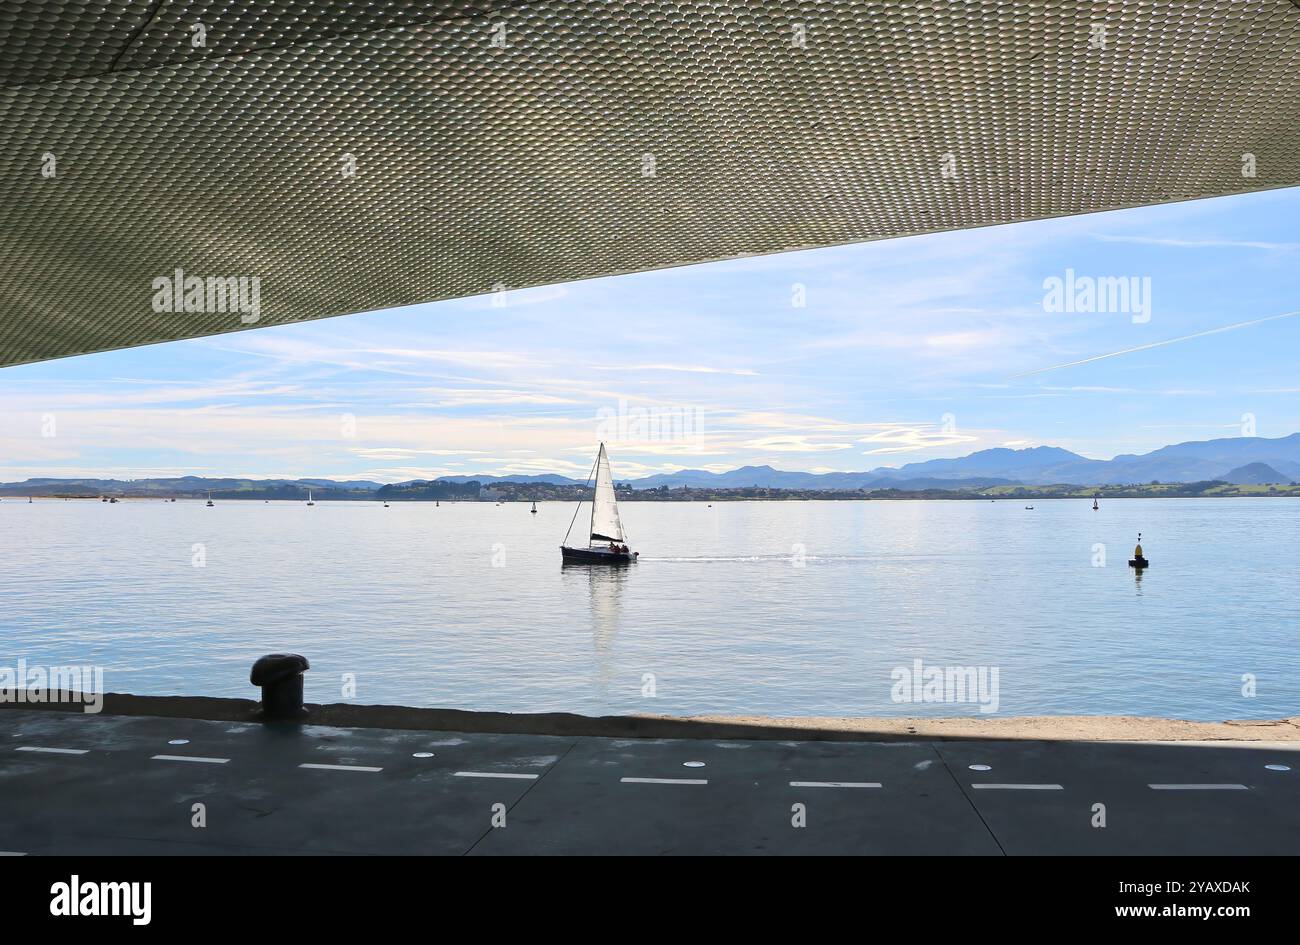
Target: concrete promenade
column 128, row 784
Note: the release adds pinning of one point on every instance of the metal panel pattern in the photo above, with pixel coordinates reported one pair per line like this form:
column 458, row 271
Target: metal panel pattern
column 502, row 145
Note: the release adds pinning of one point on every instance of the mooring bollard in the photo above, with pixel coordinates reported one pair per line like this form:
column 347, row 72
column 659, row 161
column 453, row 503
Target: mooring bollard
column 280, row 676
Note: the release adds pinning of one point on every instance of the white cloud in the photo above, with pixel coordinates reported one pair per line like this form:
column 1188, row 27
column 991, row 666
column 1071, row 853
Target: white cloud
column 1200, row 244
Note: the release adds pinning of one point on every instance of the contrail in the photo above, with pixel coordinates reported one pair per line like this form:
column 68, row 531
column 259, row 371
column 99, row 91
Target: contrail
column 1158, row 344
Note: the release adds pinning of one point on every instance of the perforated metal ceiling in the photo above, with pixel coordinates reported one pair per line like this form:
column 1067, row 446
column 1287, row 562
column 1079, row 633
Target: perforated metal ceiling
column 512, row 144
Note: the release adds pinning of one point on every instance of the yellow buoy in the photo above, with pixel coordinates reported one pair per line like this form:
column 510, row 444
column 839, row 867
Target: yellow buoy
column 1138, row 560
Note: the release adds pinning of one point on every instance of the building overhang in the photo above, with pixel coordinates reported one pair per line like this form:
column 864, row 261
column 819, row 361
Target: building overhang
column 393, row 153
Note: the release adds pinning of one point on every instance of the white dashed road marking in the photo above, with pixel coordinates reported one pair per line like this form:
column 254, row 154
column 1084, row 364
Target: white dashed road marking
column 205, row 761
column 835, row 784
column 495, row 774
column 341, row 768
column 55, row 751
column 663, row 780
column 1198, row 787
column 1017, row 787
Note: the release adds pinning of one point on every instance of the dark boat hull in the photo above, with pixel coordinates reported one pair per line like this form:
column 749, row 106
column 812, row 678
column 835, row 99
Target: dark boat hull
column 1138, row 563
column 593, row 556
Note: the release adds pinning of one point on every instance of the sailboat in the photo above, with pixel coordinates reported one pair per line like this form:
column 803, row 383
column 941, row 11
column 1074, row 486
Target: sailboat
column 309, row 501
column 606, row 540
column 1095, row 506
column 209, row 498
column 534, row 508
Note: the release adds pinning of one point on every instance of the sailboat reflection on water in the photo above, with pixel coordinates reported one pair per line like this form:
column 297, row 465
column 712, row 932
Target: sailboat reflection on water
column 606, row 541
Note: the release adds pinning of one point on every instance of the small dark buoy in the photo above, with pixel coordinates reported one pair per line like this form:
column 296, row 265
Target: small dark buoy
column 1138, row 561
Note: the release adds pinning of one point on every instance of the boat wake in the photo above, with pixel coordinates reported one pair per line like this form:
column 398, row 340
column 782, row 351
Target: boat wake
column 776, row 558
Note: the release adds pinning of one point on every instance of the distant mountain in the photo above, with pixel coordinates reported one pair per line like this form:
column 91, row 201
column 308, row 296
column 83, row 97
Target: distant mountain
column 550, row 478
column 1196, row 461
column 1037, row 464
column 1255, row 474
column 425, row 491
column 766, row 477
column 745, row 476
column 183, row 485
column 1207, row 459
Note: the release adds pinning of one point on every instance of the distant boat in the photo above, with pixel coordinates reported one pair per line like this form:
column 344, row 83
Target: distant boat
column 1029, row 508
column 385, row 505
column 309, row 501
column 606, row 540
column 113, row 501
column 209, row 498
column 29, row 500
column 534, row 508
column 1095, row 506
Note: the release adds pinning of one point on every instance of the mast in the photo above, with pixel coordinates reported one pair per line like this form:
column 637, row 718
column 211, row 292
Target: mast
column 601, row 461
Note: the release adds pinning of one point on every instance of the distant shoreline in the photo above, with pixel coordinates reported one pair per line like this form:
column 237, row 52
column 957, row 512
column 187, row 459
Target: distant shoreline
column 1001, row 494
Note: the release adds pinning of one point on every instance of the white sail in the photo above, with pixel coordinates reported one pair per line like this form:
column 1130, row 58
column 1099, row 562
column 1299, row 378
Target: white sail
column 605, row 525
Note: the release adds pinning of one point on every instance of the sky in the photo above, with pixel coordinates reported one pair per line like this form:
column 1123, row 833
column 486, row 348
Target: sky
column 845, row 358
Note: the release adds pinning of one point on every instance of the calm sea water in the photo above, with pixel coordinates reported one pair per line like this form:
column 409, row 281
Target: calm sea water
column 779, row 608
